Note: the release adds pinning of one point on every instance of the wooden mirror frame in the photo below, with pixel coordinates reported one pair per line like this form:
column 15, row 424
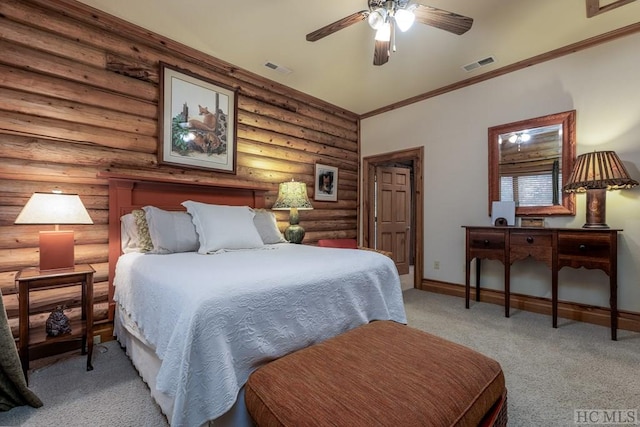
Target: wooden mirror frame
column 568, row 121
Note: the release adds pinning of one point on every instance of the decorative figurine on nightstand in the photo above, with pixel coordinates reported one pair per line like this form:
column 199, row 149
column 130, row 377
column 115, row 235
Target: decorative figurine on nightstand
column 57, row 323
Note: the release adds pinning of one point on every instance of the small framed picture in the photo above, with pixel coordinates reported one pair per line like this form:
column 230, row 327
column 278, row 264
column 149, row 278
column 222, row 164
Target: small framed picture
column 326, row 186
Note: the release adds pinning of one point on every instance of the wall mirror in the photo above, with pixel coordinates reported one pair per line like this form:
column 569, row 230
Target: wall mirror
column 530, row 161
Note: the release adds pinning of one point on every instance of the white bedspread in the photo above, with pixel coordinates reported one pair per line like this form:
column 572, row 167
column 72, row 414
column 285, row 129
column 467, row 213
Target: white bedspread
column 214, row 319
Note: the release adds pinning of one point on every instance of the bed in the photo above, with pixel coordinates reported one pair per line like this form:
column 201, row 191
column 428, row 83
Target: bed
column 195, row 325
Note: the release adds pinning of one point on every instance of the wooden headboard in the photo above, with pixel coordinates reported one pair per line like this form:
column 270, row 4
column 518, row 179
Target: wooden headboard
column 127, row 193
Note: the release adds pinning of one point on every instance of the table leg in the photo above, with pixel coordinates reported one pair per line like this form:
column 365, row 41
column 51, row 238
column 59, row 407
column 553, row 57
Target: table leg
column 613, row 302
column 478, row 263
column 89, row 320
column 554, row 297
column 507, row 290
column 23, row 308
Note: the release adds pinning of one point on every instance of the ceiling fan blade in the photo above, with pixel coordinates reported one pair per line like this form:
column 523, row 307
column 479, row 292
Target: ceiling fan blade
column 381, row 52
column 442, row 19
column 340, row 24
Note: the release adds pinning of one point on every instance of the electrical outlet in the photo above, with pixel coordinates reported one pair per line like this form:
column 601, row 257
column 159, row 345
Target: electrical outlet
column 96, row 339
column 436, row 265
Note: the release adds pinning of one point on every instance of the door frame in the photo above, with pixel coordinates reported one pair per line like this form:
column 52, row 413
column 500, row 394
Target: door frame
column 369, row 163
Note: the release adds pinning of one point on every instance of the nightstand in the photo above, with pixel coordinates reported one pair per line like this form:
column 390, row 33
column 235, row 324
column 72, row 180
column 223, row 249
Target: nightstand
column 31, row 339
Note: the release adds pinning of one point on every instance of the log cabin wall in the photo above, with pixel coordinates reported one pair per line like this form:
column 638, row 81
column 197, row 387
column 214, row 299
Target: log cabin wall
column 79, row 95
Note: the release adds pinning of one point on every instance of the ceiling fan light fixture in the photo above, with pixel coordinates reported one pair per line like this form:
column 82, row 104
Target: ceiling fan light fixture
column 377, row 18
column 404, row 18
column 384, row 33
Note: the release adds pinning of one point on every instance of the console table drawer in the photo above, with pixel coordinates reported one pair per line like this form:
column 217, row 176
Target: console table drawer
column 582, row 245
column 531, row 238
column 487, row 240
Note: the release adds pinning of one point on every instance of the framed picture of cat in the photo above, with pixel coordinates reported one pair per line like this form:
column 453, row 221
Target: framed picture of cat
column 326, row 183
column 197, row 121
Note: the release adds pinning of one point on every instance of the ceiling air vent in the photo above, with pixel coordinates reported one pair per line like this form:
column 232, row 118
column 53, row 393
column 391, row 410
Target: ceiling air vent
column 480, row 63
column 278, row 68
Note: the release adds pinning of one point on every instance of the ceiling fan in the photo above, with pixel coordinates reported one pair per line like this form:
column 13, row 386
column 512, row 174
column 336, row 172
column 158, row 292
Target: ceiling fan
column 384, row 16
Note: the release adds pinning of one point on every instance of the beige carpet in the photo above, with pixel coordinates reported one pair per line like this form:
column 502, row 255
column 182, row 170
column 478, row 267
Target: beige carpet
column 549, row 372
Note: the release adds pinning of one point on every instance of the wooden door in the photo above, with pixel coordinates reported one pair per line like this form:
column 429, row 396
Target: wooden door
column 393, row 213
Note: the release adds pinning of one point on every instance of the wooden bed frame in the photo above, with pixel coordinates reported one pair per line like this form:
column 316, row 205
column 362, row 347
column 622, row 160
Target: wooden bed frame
column 128, row 192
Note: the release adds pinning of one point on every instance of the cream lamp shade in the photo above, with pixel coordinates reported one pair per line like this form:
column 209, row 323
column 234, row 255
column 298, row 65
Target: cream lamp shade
column 56, row 247
column 292, row 196
column 595, row 173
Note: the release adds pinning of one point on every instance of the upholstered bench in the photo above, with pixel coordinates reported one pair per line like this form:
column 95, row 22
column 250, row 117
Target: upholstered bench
column 380, row 374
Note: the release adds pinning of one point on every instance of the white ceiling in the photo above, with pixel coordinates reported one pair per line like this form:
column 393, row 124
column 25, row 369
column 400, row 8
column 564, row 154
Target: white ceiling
column 339, row 68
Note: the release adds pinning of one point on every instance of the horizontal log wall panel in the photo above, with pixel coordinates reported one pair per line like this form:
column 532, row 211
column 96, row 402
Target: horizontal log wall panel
column 79, row 93
column 31, row 59
column 54, row 173
column 67, row 130
column 60, row 88
column 267, row 110
column 42, row 150
column 279, row 140
column 258, row 121
column 290, row 154
column 44, row 106
column 46, row 41
column 25, row 236
column 27, row 188
column 19, row 258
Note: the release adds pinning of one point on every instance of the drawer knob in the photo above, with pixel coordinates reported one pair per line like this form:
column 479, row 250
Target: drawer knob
column 486, row 242
column 529, row 239
column 582, row 247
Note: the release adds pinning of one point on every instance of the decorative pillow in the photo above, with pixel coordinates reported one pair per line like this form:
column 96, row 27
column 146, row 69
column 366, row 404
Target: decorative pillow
column 170, row 231
column 142, row 229
column 129, row 240
column 223, row 227
column 267, row 226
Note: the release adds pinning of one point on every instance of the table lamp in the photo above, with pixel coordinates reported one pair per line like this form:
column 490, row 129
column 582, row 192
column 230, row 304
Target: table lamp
column 56, row 247
column 292, row 195
column 595, row 173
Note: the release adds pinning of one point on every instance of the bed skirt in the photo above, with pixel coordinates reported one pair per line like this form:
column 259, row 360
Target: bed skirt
column 147, row 363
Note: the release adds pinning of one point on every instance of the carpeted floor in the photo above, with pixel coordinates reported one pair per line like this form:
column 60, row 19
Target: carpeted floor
column 549, row 372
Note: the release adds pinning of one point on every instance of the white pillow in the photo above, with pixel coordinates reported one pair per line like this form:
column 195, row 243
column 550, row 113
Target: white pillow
column 223, row 227
column 170, row 231
column 267, row 226
column 129, row 239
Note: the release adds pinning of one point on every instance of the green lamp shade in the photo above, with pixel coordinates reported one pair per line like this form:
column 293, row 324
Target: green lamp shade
column 292, row 195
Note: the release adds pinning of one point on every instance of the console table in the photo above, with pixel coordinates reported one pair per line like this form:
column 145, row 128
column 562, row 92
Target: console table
column 556, row 247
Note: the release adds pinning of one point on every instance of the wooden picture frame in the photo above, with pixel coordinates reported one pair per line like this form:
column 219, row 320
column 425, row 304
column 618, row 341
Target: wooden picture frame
column 326, row 183
column 197, row 122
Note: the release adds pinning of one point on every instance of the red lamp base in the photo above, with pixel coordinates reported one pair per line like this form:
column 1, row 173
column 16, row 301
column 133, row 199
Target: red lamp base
column 56, row 250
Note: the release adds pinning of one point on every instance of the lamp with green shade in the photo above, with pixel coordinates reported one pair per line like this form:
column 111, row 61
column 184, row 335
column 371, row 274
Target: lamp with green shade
column 292, row 196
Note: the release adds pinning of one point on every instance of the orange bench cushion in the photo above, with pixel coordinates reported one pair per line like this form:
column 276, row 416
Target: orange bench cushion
column 382, row 373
